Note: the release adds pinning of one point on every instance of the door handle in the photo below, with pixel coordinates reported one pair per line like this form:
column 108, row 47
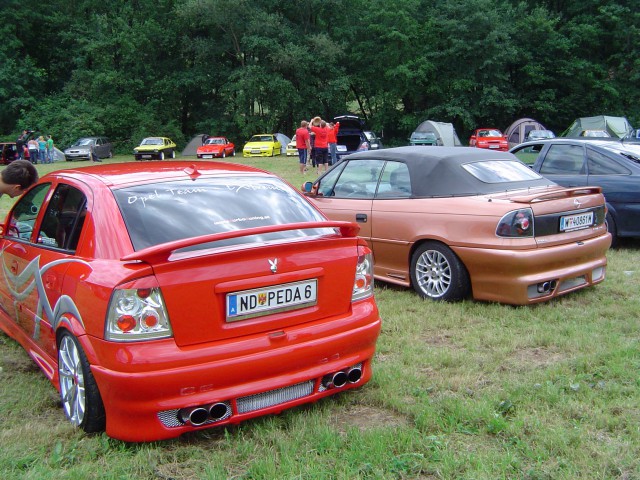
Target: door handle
column 361, row 217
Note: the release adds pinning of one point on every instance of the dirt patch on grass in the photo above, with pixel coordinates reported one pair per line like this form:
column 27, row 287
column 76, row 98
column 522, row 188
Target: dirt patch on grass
column 16, row 362
column 539, row 357
column 364, row 418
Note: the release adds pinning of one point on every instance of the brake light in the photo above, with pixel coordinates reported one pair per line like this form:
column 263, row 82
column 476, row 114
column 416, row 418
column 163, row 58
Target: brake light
column 516, row 224
column 363, row 282
column 136, row 314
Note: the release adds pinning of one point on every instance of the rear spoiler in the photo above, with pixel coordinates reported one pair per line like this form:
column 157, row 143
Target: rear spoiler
column 162, row 251
column 556, row 194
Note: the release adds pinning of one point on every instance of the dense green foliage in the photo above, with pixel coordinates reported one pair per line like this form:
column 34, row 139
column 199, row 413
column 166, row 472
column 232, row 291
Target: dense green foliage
column 131, row 68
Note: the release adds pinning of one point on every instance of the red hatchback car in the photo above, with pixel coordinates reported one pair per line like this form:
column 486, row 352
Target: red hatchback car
column 490, row 138
column 214, row 147
column 165, row 298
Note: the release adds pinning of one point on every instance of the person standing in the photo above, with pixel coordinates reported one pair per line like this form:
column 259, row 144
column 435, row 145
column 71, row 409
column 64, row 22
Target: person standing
column 21, row 142
column 42, row 149
column 320, row 149
column 333, row 142
column 33, row 150
column 17, row 177
column 94, row 154
column 50, row 149
column 303, row 144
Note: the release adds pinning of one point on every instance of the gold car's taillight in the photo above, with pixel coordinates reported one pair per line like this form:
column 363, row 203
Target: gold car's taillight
column 363, row 283
column 516, row 224
column 137, row 314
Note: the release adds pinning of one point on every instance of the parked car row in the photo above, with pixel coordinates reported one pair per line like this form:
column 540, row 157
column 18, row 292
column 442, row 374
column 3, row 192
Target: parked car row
column 259, row 298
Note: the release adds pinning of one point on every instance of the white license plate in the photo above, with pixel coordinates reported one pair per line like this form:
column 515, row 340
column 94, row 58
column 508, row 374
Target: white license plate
column 147, row 156
column 494, row 146
column 341, row 148
column 255, row 151
column 268, row 300
column 207, row 156
column 576, row 222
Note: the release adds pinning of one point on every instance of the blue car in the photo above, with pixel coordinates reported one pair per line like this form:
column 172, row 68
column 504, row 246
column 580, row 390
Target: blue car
column 607, row 163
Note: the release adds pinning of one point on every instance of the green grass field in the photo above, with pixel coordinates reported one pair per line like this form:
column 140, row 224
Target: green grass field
column 466, row 390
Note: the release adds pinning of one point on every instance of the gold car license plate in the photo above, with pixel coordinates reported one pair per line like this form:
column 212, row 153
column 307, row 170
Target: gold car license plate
column 576, row 222
column 268, row 300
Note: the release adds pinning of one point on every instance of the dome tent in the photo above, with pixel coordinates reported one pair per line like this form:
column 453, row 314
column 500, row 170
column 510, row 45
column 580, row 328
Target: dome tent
column 518, row 130
column 284, row 141
column 190, row 150
column 445, row 133
column 618, row 127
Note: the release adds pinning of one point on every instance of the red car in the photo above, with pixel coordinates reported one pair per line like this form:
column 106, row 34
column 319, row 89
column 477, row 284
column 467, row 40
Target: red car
column 490, row 138
column 8, row 152
column 216, row 147
column 165, row 298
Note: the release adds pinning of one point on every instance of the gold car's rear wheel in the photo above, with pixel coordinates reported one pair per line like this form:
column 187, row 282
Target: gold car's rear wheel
column 438, row 274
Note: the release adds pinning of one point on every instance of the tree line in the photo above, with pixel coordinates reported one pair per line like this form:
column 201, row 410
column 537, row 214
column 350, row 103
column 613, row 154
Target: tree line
column 133, row 68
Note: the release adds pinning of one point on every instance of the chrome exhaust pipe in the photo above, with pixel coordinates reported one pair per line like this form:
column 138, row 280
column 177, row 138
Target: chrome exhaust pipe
column 218, row 411
column 544, row 287
column 339, row 379
column 354, row 375
column 198, row 416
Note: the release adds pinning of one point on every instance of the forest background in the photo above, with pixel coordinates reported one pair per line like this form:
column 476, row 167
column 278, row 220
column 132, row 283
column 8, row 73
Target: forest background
column 132, row 68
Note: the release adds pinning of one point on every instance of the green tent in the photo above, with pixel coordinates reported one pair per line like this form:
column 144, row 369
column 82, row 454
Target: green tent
column 617, row 127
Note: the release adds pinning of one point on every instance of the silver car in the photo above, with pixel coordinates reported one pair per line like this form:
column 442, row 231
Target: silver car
column 81, row 148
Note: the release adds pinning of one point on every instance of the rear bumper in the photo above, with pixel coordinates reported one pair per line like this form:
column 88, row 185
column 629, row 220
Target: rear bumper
column 514, row 276
column 144, row 386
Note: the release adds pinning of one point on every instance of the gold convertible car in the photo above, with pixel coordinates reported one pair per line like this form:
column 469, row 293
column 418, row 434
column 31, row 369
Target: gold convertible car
column 453, row 222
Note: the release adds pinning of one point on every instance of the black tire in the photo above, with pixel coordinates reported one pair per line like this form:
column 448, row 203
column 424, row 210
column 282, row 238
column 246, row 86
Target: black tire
column 79, row 394
column 233, row 153
column 173, row 154
column 438, row 274
column 224, row 153
column 161, row 156
column 110, row 154
column 612, row 229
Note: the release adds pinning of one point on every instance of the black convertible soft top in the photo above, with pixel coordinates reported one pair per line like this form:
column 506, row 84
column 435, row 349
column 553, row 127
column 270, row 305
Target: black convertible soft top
column 439, row 171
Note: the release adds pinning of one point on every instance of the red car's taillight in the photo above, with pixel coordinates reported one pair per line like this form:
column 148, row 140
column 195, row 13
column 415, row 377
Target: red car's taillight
column 137, row 314
column 516, row 224
column 363, row 282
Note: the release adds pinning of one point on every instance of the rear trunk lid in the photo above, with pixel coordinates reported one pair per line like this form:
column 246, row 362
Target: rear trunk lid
column 566, row 215
column 218, row 294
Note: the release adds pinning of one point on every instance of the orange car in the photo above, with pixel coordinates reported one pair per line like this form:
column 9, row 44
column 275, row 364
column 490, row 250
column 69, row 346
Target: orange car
column 490, row 138
column 214, row 147
column 165, row 298
column 457, row 221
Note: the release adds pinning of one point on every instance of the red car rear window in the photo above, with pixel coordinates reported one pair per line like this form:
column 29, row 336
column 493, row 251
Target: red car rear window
column 161, row 212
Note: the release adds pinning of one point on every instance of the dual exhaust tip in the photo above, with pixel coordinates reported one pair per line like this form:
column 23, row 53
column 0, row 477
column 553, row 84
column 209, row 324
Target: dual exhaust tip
column 197, row 416
column 341, row 378
column 546, row 287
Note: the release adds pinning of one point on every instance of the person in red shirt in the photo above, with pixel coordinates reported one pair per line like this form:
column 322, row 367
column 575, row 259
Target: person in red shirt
column 321, row 146
column 333, row 142
column 303, row 144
